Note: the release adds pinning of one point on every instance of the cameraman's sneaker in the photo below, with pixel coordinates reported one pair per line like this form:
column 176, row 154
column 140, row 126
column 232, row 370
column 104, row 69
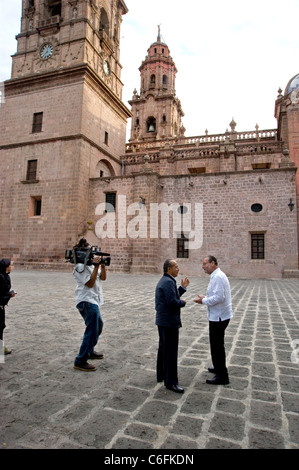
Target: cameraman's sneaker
column 86, row 367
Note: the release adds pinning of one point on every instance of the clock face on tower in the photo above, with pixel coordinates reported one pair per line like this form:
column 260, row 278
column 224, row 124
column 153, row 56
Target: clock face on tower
column 106, row 68
column 46, row 51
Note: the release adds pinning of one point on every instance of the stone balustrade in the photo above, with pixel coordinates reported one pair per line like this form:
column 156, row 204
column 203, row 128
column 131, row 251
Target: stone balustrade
column 249, row 142
column 256, row 135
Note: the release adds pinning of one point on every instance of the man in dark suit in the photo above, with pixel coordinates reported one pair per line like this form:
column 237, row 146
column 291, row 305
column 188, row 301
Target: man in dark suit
column 168, row 320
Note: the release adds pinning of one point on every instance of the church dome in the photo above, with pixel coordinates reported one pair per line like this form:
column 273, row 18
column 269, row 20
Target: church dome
column 292, row 85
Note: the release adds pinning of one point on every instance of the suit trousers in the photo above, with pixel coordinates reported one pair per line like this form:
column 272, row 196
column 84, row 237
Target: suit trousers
column 167, row 357
column 217, row 332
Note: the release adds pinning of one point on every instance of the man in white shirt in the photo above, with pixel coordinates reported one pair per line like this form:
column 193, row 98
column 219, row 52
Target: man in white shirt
column 89, row 297
column 219, row 304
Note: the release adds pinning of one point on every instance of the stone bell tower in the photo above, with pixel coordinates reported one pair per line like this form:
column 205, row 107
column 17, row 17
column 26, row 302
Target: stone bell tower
column 157, row 112
column 56, row 34
column 63, row 122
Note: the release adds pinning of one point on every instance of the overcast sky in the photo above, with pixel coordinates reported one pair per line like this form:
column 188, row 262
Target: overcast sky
column 232, row 56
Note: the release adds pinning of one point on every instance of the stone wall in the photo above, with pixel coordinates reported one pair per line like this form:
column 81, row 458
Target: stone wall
column 228, row 220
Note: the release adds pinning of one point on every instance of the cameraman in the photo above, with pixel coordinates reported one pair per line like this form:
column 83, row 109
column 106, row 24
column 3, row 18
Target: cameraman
column 89, row 297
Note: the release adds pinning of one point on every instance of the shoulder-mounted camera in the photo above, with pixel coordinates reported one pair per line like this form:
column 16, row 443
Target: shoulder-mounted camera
column 85, row 256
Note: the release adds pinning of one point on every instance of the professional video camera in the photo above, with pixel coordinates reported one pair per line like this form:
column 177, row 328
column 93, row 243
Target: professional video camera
column 85, row 256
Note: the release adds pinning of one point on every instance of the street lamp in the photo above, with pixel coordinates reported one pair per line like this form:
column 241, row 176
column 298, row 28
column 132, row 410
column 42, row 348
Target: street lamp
column 291, row 205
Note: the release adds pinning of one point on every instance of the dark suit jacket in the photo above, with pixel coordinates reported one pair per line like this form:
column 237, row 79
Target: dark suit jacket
column 168, row 302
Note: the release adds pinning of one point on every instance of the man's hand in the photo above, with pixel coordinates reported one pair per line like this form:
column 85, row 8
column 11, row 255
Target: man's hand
column 185, row 283
column 98, row 261
column 198, row 299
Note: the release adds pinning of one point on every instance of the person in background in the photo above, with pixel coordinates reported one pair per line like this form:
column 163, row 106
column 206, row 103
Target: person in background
column 6, row 294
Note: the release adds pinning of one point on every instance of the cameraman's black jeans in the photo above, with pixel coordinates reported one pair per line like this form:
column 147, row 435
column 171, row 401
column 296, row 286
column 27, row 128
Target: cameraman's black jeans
column 217, row 332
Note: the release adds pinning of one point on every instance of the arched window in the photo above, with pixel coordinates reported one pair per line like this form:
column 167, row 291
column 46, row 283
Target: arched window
column 104, row 169
column 153, row 79
column 104, row 21
column 151, row 124
column 54, row 7
column 164, row 79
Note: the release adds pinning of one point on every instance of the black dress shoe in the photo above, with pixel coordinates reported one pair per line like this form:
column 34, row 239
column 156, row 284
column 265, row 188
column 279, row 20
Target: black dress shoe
column 217, row 381
column 175, row 388
column 211, row 369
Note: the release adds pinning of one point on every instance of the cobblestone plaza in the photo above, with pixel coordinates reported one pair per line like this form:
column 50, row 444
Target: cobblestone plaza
column 46, row 404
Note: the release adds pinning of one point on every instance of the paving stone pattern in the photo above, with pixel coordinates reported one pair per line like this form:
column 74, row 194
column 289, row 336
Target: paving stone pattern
column 47, row 404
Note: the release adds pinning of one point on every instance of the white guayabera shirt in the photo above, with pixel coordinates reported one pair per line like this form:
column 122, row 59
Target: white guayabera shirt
column 218, row 298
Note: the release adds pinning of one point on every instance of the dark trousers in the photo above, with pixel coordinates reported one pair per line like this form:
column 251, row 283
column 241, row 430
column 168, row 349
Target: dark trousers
column 2, row 321
column 167, row 358
column 217, row 331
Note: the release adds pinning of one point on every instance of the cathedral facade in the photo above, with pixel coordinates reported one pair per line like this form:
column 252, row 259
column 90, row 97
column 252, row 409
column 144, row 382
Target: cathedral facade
column 67, row 171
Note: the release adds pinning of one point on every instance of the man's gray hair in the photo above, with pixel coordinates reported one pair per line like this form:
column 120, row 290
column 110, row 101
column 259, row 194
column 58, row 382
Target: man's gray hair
column 167, row 264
